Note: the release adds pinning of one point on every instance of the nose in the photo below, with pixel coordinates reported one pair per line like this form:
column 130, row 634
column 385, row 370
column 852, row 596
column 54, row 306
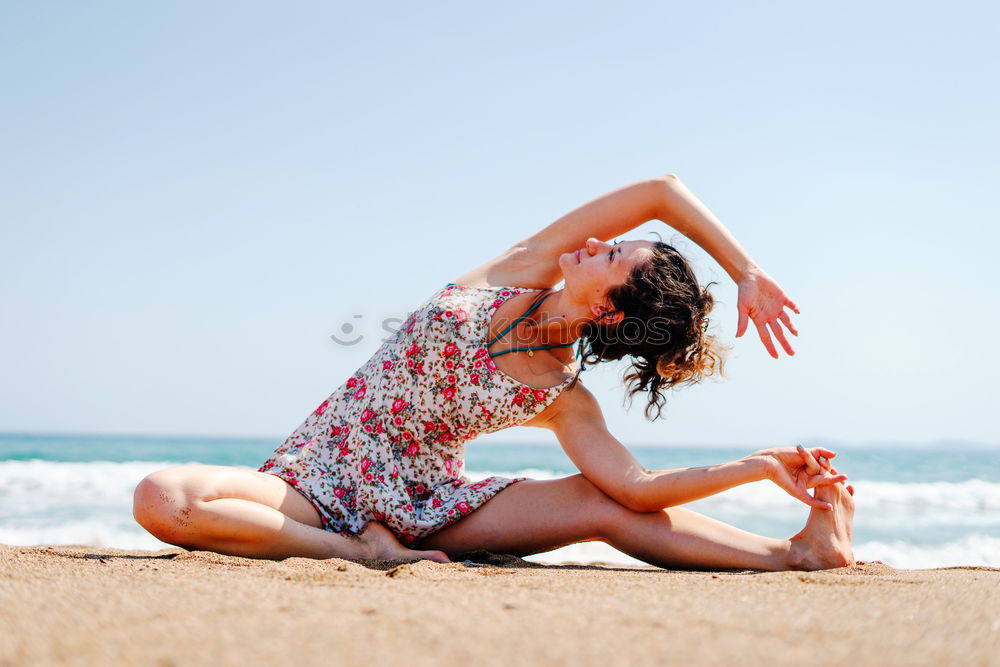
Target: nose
column 595, row 246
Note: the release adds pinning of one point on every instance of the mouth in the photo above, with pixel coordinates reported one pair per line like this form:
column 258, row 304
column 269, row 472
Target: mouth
column 577, row 255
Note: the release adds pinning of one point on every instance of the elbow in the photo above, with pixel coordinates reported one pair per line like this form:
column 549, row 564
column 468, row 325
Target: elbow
column 669, row 177
column 633, row 497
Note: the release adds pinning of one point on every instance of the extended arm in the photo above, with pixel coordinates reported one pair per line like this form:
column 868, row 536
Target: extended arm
column 579, row 425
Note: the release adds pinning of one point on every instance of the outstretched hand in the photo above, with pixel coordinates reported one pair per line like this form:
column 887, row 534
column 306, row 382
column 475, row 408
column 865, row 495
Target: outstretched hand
column 762, row 300
column 796, row 469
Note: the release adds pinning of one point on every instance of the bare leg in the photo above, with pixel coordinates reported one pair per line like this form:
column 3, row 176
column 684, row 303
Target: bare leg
column 247, row 513
column 535, row 516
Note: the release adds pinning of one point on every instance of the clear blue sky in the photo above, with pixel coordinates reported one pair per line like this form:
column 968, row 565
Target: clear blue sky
column 196, row 195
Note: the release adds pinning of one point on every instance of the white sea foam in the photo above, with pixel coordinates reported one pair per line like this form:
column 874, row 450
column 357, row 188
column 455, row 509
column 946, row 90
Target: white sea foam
column 43, row 502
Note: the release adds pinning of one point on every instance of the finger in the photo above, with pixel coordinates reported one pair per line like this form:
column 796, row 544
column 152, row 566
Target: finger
column 825, row 480
column 780, row 335
column 765, row 338
column 791, row 304
column 821, row 451
column 811, row 465
column 850, row 489
column 788, row 323
column 813, row 502
column 741, row 326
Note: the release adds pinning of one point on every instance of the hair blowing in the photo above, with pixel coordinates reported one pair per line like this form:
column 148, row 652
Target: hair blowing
column 664, row 331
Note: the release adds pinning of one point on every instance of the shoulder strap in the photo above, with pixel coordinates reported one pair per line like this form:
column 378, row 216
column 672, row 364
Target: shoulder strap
column 514, row 324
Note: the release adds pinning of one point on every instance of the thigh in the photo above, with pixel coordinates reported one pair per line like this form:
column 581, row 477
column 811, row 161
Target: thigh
column 203, row 483
column 532, row 516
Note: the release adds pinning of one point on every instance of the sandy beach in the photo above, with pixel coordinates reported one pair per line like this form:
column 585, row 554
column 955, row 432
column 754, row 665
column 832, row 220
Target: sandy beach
column 84, row 605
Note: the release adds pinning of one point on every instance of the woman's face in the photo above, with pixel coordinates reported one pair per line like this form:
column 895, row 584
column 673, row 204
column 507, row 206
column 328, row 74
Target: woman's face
column 592, row 270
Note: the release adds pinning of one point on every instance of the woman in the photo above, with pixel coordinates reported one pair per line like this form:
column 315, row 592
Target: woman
column 376, row 470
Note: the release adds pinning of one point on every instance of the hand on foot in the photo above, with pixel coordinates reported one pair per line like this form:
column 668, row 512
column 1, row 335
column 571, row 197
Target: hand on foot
column 825, row 542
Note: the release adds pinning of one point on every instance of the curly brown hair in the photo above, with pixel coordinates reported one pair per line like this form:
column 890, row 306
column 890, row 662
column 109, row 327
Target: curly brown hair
column 664, row 331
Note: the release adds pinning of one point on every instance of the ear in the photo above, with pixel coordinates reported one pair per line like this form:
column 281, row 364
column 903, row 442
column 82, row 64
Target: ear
column 606, row 314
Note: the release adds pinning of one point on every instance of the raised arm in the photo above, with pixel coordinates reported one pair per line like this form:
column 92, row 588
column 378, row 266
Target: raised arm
column 579, row 425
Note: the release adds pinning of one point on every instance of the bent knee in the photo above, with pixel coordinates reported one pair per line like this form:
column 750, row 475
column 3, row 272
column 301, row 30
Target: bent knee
column 159, row 503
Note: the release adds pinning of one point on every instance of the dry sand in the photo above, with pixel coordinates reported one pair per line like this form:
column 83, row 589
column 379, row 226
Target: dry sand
column 86, row 605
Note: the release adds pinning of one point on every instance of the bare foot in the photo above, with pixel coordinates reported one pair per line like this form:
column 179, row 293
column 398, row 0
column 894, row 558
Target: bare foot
column 825, row 542
column 383, row 545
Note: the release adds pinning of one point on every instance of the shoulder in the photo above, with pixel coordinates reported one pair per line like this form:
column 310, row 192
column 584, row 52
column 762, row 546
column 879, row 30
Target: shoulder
column 522, row 265
column 575, row 406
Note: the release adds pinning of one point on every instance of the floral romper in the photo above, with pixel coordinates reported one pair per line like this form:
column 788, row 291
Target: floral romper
column 388, row 445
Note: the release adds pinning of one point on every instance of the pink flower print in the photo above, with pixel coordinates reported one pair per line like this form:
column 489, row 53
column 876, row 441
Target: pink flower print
column 486, row 413
column 448, row 313
column 446, row 437
column 386, row 365
column 519, row 399
column 267, row 466
column 496, row 303
column 366, row 415
column 412, row 350
column 288, row 473
column 419, row 488
column 366, row 463
column 339, row 492
column 449, row 466
column 477, row 485
column 369, row 428
column 352, row 383
column 397, row 420
column 407, row 435
column 461, row 315
column 360, row 393
column 413, row 449
column 429, row 426
column 436, row 503
column 409, row 363
column 505, row 292
column 344, row 451
column 539, row 395
column 395, row 472
column 409, row 507
column 398, row 405
column 378, row 428
column 451, row 379
column 478, row 363
column 474, row 377
column 448, row 393
column 420, row 368
column 525, row 390
column 335, row 430
column 462, row 507
column 490, row 365
column 481, row 352
column 368, row 477
column 322, row 407
column 450, row 349
column 449, row 364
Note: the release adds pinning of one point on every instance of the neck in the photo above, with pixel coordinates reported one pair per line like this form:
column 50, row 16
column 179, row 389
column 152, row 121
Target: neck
column 560, row 319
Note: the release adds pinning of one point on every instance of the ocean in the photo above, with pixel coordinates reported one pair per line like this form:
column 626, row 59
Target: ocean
column 916, row 507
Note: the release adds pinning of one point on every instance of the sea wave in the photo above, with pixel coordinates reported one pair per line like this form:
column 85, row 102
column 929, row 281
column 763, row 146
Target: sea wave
column 907, row 525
